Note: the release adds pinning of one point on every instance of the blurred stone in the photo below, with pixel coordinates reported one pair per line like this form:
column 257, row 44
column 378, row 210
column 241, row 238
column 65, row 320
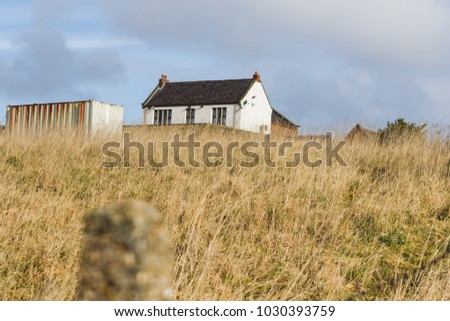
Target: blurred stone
column 126, row 255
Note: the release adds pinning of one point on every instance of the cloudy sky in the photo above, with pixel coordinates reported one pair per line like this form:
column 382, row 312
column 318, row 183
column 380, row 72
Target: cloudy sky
column 324, row 63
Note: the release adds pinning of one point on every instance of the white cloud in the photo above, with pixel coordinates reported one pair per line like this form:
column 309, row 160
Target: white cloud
column 6, row 45
column 96, row 43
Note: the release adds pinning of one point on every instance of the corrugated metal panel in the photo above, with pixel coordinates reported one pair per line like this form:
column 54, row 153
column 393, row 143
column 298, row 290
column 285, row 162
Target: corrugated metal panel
column 87, row 117
column 72, row 116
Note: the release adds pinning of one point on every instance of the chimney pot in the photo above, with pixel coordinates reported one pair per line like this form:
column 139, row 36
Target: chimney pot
column 163, row 81
column 257, row 76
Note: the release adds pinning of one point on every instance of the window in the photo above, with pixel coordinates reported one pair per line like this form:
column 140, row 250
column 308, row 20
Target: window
column 190, row 116
column 219, row 116
column 163, row 117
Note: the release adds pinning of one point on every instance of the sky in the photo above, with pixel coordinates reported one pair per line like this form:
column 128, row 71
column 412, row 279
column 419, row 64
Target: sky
column 324, row 63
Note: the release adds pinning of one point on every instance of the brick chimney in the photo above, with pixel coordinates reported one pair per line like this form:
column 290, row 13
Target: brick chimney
column 257, row 77
column 163, row 81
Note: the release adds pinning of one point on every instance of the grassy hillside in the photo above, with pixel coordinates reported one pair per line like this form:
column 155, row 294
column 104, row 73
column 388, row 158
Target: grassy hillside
column 376, row 229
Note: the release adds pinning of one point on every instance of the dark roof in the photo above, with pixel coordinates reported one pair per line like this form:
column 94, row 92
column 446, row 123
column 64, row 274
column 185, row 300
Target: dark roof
column 277, row 117
column 207, row 92
column 359, row 132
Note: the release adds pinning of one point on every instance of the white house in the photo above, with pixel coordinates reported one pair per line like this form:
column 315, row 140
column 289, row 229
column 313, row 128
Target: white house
column 237, row 103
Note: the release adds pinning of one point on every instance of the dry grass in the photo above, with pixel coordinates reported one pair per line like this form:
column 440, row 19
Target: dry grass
column 377, row 229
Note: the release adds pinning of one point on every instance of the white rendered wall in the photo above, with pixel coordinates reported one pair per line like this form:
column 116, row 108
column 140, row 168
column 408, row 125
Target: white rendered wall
column 148, row 116
column 106, row 118
column 203, row 115
column 256, row 112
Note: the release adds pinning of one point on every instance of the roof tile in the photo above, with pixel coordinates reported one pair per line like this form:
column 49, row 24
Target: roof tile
column 208, row 92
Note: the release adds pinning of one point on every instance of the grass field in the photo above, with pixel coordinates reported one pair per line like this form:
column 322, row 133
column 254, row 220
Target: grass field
column 378, row 229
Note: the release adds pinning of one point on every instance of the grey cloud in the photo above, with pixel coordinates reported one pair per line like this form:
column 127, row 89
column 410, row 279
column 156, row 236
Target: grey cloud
column 415, row 32
column 51, row 11
column 197, row 25
column 43, row 67
column 346, row 59
column 347, row 96
column 332, row 60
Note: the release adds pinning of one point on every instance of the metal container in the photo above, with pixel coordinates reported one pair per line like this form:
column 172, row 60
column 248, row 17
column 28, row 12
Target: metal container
column 87, row 117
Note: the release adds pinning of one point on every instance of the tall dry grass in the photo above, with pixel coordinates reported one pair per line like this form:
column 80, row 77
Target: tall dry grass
column 376, row 229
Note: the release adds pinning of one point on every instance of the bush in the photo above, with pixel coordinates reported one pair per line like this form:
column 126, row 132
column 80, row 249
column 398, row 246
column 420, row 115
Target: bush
column 400, row 129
